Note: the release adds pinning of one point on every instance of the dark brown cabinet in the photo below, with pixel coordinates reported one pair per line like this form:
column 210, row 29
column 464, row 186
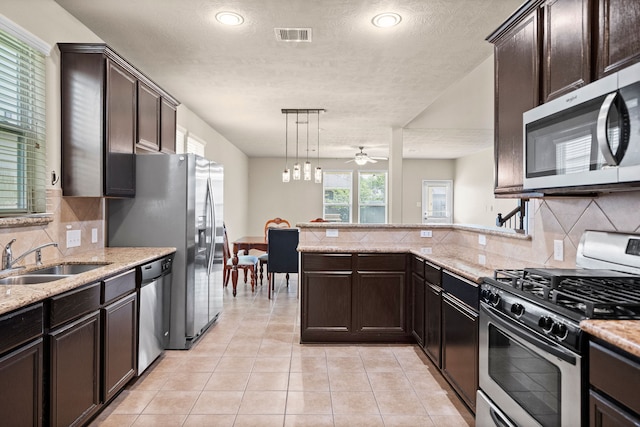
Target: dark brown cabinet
column 108, row 109
column 516, row 56
column 426, row 310
column 74, row 370
column 566, row 46
column 21, row 367
column 418, row 299
column 433, row 327
column 613, row 376
column 354, row 298
column 618, row 44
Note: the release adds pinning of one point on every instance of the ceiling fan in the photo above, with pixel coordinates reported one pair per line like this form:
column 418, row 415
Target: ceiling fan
column 363, row 158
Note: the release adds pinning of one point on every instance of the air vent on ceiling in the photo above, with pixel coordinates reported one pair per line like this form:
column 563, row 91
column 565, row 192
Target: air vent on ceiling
column 293, row 34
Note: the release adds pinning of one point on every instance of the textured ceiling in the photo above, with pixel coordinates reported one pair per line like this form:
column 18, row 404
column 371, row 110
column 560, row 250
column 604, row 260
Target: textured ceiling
column 368, row 79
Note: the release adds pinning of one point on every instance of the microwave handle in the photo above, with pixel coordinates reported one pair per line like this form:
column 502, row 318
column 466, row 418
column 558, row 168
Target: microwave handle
column 601, row 135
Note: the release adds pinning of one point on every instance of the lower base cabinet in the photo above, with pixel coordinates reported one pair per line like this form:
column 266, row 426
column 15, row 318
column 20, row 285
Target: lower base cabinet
column 433, row 324
column 75, row 371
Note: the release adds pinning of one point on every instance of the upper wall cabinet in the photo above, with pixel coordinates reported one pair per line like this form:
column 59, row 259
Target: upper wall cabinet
column 110, row 112
column 546, row 49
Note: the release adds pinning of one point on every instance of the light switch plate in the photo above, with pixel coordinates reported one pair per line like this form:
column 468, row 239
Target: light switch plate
column 74, row 238
column 558, row 250
column 482, row 259
column 331, row 232
column 94, row 235
column 425, row 233
column 482, row 239
column 426, row 251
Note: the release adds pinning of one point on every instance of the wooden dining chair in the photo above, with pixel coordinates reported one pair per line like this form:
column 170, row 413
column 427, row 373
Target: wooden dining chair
column 319, row 220
column 264, row 258
column 245, row 262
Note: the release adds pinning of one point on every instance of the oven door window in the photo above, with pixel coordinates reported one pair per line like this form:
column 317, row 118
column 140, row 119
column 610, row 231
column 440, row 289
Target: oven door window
column 530, row 380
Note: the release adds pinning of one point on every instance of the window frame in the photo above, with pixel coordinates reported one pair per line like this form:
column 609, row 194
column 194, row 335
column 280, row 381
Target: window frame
column 384, row 204
column 324, row 188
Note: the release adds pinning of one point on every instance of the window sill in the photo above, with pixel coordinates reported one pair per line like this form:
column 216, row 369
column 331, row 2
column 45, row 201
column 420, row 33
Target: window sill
column 26, row 221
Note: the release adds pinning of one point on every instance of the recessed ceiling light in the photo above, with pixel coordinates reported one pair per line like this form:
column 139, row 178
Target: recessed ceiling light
column 388, row 19
column 229, row 18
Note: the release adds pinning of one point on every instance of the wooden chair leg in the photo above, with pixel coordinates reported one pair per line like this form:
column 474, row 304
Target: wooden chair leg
column 261, row 268
column 226, row 275
column 253, row 277
column 245, row 275
column 287, row 280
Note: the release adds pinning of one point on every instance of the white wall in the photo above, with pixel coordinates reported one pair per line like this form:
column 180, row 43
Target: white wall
column 473, row 199
column 413, row 173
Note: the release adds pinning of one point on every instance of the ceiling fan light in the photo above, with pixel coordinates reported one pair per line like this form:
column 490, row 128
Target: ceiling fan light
column 360, row 160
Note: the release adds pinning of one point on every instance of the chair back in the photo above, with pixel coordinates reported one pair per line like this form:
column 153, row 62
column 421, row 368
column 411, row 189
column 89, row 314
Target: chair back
column 319, row 220
column 275, row 223
column 283, row 250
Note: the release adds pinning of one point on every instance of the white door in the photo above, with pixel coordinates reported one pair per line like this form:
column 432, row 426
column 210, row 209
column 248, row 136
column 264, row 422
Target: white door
column 437, row 202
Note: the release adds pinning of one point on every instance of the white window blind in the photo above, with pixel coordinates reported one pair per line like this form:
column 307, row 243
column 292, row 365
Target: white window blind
column 22, row 128
column 195, row 145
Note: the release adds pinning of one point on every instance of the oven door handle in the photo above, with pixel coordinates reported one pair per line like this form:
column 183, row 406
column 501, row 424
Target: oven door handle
column 549, row 347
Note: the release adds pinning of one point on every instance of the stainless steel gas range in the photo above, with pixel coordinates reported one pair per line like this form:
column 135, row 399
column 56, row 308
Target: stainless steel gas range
column 532, row 352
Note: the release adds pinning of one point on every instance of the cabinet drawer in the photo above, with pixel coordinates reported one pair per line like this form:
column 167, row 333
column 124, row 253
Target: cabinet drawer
column 73, row 304
column 324, row 262
column 615, row 375
column 20, row 326
column 432, row 273
column 463, row 289
column 382, row 262
column 417, row 265
column 117, row 286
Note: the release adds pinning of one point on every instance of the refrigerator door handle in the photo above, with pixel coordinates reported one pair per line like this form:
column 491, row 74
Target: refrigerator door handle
column 212, row 217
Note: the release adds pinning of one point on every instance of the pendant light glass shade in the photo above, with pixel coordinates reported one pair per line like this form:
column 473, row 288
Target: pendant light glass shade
column 286, row 175
column 296, row 171
column 307, row 171
column 318, row 175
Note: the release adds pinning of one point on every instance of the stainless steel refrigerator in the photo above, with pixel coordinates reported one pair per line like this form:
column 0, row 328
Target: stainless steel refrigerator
column 178, row 203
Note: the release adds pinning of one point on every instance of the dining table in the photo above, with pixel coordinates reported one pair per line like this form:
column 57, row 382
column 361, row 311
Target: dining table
column 245, row 243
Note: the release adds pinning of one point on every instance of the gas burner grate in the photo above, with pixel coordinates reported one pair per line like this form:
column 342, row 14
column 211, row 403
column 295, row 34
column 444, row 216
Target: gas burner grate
column 600, row 298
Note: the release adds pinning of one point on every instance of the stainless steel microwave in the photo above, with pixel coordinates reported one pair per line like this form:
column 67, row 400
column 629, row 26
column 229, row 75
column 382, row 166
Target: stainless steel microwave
column 590, row 136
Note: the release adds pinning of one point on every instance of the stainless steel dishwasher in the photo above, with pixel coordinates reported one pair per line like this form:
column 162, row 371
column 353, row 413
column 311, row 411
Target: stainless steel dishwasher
column 155, row 303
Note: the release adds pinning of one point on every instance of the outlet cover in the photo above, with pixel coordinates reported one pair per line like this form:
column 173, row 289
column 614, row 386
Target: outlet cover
column 558, row 250
column 94, row 235
column 482, row 260
column 426, row 251
column 482, row 239
column 331, row 232
column 425, row 233
column 74, row 238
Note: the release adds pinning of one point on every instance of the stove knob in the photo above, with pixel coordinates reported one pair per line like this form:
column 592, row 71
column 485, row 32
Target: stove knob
column 495, row 300
column 485, row 294
column 560, row 331
column 546, row 323
column 517, row 309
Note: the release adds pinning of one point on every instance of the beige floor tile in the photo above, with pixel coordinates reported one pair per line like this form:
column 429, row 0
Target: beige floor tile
column 242, row 348
column 155, row 420
column 272, row 364
column 132, row 401
column 345, row 364
column 308, row 364
column 388, row 381
column 201, row 364
column 187, row 381
column 263, row 402
column 341, row 351
column 218, row 402
column 197, row 420
column 235, row 364
column 249, row 420
column 308, row 402
column 114, row 420
column 359, row 420
column 150, row 380
column 354, row 381
column 382, row 363
column 354, row 402
column 307, row 350
column 408, row 421
column 171, row 402
column 439, row 402
column 169, row 364
column 426, row 382
column 268, row 381
column 228, row 381
column 308, row 381
column 452, row 421
column 295, row 420
column 399, row 403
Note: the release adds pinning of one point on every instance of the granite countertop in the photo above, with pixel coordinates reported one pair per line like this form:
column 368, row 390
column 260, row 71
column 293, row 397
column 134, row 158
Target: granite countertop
column 115, row 260
column 624, row 334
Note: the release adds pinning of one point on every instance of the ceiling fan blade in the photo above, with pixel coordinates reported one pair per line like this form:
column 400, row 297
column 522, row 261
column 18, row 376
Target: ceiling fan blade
column 349, row 161
column 370, row 160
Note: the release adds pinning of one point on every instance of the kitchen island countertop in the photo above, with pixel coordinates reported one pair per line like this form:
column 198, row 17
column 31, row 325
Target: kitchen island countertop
column 115, row 260
column 624, row 334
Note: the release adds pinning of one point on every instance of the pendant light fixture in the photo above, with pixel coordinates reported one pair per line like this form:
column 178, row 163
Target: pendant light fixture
column 299, row 172
column 286, row 174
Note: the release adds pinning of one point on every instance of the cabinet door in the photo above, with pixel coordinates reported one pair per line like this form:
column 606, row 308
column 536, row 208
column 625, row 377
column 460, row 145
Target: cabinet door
column 74, row 350
column 517, row 88
column 380, row 304
column 604, row 413
column 433, row 331
column 618, row 35
column 167, row 127
column 418, row 308
column 566, row 47
column 148, row 119
column 120, row 337
column 460, row 348
column 120, row 112
column 326, row 306
column 21, row 386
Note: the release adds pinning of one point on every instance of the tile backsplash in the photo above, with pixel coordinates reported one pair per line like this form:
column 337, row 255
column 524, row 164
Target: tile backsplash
column 69, row 213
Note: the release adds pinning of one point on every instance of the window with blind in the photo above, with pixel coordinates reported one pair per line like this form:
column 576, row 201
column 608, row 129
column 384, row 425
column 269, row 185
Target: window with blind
column 22, row 128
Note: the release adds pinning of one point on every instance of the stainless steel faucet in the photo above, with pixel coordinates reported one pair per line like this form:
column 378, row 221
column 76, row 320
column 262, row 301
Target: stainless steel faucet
column 7, row 255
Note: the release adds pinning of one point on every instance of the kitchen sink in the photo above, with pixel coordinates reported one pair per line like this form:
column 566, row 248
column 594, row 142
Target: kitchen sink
column 65, row 269
column 31, row 279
